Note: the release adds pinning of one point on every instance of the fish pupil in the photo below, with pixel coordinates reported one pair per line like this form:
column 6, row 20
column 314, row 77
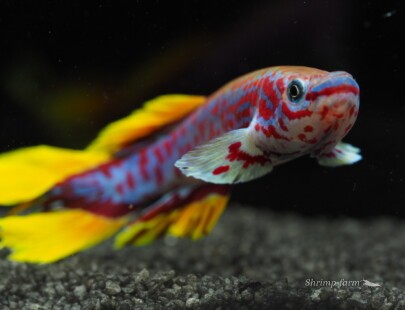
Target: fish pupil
column 295, row 91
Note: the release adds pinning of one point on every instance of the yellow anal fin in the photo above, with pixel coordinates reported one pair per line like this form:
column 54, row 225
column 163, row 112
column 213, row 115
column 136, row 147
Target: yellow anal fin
column 198, row 218
column 51, row 236
column 28, row 172
column 194, row 220
column 155, row 114
column 144, row 232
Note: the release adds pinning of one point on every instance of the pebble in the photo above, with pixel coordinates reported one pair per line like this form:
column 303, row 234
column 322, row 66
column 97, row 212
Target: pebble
column 112, row 288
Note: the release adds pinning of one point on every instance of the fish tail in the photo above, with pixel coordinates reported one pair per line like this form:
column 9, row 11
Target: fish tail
column 28, row 173
column 30, row 176
column 46, row 237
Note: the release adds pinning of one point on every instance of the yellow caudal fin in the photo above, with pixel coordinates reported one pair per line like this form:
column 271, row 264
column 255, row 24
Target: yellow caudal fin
column 27, row 173
column 194, row 220
column 51, row 236
column 155, row 114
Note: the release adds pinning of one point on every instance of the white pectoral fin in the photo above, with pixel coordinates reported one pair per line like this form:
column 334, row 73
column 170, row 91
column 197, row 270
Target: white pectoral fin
column 231, row 158
column 342, row 154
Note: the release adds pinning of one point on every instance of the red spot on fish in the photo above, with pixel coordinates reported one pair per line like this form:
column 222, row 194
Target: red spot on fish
column 303, row 138
column 215, row 110
column 324, row 112
column 105, row 169
column 158, row 155
column 269, row 89
column 235, row 153
column 270, row 131
column 143, row 162
column 130, row 180
column 309, row 128
column 159, row 175
column 257, row 127
column 220, row 170
column 168, row 147
column 280, row 85
column 120, row 189
column 294, row 115
column 282, row 124
column 312, row 141
column 332, row 91
column 264, row 110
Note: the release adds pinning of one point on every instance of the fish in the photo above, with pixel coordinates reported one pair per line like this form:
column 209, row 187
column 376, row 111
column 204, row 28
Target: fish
column 168, row 168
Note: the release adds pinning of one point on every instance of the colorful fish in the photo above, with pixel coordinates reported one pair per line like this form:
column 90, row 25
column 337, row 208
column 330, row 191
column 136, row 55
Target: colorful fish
column 167, row 168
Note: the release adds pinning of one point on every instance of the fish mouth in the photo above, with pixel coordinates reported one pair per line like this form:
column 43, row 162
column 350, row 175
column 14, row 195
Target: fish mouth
column 333, row 84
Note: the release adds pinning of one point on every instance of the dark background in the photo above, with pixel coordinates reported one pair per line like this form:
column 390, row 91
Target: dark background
column 68, row 68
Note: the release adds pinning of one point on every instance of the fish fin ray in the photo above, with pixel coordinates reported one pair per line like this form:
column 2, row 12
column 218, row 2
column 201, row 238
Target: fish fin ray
column 342, row 154
column 228, row 159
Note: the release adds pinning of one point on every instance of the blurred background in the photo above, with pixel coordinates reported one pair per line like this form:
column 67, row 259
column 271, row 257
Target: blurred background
column 67, row 68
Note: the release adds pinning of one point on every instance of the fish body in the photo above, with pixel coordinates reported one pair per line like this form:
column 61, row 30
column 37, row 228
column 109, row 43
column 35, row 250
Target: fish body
column 239, row 133
column 257, row 102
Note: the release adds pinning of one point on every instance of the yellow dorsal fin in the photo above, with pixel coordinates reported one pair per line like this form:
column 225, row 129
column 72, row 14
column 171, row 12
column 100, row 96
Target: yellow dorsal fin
column 194, row 220
column 155, row 114
column 49, row 236
column 28, row 172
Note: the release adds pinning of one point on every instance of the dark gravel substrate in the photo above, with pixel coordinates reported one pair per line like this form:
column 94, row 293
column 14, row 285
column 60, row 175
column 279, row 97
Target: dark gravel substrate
column 255, row 259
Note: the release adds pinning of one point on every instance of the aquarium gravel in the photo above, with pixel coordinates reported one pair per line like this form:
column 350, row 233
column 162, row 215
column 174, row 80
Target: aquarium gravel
column 256, row 259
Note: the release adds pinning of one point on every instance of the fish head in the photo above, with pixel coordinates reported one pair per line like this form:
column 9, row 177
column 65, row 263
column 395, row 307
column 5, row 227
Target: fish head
column 315, row 109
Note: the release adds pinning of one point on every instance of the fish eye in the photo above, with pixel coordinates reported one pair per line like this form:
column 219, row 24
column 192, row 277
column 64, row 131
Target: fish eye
column 295, row 91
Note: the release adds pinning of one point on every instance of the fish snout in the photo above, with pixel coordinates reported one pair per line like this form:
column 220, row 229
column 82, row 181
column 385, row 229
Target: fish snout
column 334, row 83
column 334, row 95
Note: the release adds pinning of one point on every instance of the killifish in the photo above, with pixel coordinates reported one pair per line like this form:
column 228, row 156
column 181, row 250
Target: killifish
column 168, row 167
